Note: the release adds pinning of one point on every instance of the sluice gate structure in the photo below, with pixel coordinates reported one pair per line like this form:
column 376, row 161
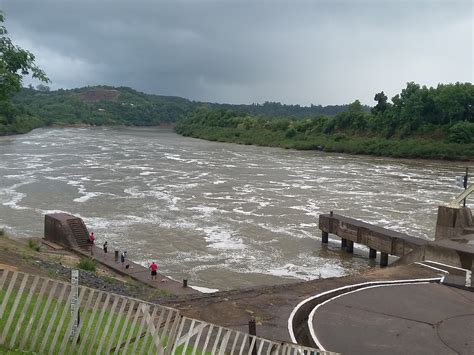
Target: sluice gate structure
column 453, row 243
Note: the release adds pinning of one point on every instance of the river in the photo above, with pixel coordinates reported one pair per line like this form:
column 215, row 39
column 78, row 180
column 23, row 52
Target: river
column 221, row 215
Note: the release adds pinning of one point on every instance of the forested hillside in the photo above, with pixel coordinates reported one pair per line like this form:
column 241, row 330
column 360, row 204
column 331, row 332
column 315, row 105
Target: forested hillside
column 419, row 122
column 105, row 105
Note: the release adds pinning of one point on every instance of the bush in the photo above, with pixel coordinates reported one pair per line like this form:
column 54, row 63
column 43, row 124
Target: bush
column 87, row 264
column 2, row 232
column 461, row 132
column 34, row 244
column 290, row 132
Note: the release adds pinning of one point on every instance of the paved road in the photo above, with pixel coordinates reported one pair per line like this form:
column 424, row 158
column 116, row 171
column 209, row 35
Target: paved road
column 404, row 319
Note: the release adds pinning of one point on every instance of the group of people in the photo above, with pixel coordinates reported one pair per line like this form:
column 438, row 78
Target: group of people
column 123, row 255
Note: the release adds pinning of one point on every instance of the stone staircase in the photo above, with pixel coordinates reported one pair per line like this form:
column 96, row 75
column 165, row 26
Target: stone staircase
column 80, row 233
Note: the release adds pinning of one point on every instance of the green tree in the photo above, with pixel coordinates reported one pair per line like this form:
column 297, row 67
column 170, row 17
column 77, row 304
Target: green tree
column 382, row 104
column 15, row 63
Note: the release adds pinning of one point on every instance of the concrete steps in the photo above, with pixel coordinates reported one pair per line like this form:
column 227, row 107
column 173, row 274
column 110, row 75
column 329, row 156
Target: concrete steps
column 79, row 232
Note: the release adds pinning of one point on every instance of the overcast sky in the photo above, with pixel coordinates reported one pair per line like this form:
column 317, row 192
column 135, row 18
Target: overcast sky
column 237, row 51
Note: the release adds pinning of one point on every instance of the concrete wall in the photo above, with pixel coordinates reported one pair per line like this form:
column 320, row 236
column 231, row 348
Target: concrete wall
column 452, row 221
column 57, row 230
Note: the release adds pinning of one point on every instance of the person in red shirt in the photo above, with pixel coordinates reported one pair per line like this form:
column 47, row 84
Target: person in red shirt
column 153, row 268
column 91, row 238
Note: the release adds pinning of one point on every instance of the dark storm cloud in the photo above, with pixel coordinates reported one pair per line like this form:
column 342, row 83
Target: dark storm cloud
column 248, row 51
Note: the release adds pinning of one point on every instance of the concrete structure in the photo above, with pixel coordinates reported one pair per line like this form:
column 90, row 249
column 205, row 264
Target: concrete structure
column 71, row 232
column 454, row 242
column 66, row 230
column 453, row 222
column 352, row 231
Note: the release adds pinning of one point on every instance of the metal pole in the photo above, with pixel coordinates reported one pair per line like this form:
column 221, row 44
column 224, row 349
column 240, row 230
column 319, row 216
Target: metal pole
column 465, row 184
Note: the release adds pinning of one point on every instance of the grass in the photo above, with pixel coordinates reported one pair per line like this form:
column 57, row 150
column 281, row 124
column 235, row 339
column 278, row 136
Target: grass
column 6, row 351
column 87, row 264
column 92, row 332
column 34, row 244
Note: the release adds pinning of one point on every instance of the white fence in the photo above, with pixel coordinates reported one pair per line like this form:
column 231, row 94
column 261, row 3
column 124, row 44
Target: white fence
column 36, row 315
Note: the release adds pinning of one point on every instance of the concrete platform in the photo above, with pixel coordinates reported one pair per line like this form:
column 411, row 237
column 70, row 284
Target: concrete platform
column 138, row 272
column 403, row 319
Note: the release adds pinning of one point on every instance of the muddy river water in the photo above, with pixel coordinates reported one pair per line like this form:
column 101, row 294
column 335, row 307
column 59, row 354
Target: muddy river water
column 221, row 215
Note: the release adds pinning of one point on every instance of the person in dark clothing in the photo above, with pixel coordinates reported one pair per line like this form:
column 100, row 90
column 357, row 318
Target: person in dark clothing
column 122, row 258
column 105, row 247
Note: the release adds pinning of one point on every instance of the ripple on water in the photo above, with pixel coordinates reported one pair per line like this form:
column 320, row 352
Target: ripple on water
column 224, row 215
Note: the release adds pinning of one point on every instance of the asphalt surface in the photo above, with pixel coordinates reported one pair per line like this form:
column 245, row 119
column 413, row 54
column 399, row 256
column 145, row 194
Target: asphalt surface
column 404, row 319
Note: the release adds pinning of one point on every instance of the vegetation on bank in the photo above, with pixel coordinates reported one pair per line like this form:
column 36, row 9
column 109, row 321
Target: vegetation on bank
column 106, row 105
column 420, row 122
column 87, row 264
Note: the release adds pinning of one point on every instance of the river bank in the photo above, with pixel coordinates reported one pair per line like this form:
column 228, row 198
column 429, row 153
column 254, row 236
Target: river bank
column 410, row 148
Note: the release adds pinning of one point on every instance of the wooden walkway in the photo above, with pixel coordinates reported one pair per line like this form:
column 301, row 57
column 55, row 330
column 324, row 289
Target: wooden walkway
column 137, row 272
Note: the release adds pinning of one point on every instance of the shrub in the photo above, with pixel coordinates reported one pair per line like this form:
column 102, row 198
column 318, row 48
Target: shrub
column 34, row 244
column 461, row 132
column 290, row 132
column 87, row 264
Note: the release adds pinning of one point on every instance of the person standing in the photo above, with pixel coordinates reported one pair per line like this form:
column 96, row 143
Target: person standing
column 122, row 258
column 153, row 267
column 91, row 242
column 105, row 247
column 91, row 238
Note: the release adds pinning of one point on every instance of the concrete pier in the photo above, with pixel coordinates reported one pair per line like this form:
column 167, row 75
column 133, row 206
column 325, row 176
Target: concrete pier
column 383, row 259
column 350, row 246
column 325, row 237
column 343, row 243
column 457, row 250
column 372, row 253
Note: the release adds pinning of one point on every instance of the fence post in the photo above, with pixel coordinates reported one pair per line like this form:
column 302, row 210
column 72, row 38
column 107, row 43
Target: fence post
column 253, row 331
column 173, row 334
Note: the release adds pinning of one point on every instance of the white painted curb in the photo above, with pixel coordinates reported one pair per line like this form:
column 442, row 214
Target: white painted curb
column 383, row 282
column 311, row 315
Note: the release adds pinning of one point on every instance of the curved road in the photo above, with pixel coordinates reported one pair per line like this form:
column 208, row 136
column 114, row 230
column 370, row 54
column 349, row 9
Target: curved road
column 423, row 318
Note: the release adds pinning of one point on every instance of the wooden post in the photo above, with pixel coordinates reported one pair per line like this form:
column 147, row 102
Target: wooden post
column 372, row 253
column 325, row 237
column 350, row 246
column 343, row 243
column 253, row 331
column 383, row 259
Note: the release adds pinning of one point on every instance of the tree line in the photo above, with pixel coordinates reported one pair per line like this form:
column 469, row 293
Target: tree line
column 418, row 122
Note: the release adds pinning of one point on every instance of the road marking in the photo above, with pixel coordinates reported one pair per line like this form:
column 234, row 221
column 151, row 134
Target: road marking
column 468, row 272
column 431, row 267
column 368, row 283
column 311, row 315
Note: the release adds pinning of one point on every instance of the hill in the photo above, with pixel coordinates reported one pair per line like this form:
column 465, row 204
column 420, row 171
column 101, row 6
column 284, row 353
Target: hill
column 106, row 105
